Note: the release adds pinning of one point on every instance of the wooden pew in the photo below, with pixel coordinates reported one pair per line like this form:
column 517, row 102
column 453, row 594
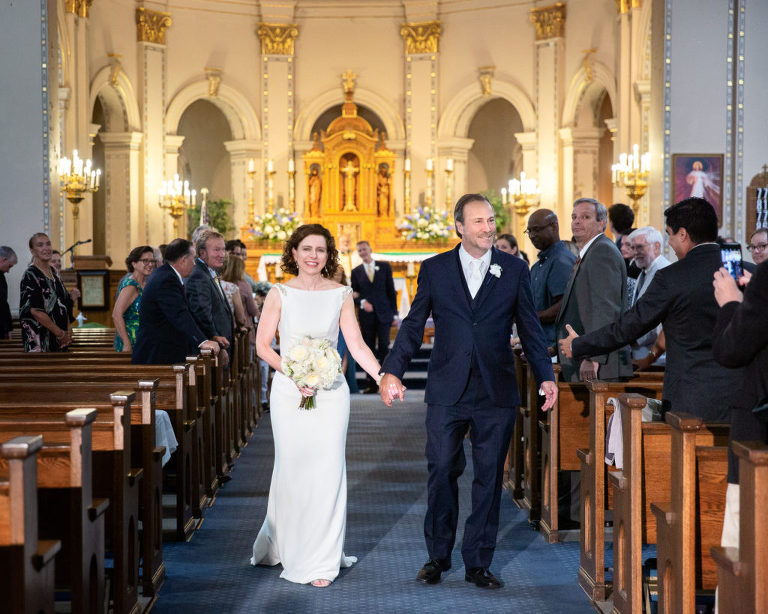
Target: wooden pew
column 27, row 584
column 595, row 494
column 742, row 585
column 66, row 508
column 112, row 476
column 515, row 462
column 692, row 523
column 531, row 443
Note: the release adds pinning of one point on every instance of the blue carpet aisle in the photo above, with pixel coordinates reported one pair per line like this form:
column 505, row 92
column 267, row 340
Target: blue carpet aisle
column 386, row 474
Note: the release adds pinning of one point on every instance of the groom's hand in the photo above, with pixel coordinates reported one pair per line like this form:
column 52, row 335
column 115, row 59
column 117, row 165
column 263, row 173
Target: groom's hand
column 550, row 393
column 389, row 388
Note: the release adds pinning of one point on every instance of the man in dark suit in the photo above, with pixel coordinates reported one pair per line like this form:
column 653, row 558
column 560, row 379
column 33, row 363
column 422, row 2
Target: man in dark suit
column 594, row 295
column 680, row 299
column 377, row 302
column 474, row 293
column 167, row 332
column 205, row 296
column 8, row 259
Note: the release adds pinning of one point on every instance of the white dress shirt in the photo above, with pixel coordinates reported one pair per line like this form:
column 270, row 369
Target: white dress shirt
column 474, row 269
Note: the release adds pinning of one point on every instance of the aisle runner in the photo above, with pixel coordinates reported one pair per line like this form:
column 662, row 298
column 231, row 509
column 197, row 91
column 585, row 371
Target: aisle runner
column 387, row 498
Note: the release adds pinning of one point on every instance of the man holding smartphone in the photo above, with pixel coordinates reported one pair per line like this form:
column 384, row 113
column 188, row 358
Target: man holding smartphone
column 680, row 299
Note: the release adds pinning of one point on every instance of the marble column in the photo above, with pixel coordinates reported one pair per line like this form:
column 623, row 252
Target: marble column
column 150, row 33
column 550, row 26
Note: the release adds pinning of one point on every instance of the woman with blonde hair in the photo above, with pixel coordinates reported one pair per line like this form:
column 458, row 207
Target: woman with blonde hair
column 239, row 295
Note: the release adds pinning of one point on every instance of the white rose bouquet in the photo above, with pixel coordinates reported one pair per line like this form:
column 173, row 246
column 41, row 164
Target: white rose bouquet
column 312, row 363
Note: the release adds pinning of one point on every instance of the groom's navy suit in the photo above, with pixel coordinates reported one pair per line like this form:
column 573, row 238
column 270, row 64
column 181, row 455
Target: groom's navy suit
column 471, row 382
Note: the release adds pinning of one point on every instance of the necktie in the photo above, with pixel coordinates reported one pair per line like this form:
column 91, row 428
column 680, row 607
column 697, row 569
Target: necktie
column 475, row 279
column 639, row 285
column 369, row 270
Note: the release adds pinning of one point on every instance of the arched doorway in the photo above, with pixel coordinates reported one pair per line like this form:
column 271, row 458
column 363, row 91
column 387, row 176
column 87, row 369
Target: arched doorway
column 203, row 159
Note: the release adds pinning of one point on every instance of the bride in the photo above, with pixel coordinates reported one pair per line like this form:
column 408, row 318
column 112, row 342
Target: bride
column 306, row 513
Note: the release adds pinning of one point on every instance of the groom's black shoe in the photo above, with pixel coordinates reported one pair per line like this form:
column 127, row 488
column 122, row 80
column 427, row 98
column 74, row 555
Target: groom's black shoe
column 481, row 577
column 430, row 573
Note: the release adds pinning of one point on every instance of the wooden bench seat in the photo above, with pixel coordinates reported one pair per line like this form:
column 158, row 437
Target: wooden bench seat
column 595, row 492
column 113, row 477
column 27, row 581
column 742, row 571
column 692, row 522
column 67, row 509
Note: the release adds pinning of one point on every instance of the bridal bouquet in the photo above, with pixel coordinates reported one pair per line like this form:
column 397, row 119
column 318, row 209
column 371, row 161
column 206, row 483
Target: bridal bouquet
column 312, row 363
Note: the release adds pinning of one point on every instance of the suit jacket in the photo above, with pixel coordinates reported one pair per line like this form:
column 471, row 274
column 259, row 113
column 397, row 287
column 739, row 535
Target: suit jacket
column 6, row 321
column 167, row 332
column 208, row 304
column 594, row 297
column 468, row 330
column 380, row 292
column 644, row 344
column 741, row 340
column 682, row 300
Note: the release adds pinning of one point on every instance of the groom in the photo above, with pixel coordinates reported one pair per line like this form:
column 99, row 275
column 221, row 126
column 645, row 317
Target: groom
column 474, row 293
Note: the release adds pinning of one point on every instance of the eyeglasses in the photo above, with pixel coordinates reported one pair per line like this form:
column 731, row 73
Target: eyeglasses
column 757, row 248
column 535, row 229
column 146, row 262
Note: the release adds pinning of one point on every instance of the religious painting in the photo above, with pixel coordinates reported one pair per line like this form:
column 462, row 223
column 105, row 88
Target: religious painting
column 699, row 175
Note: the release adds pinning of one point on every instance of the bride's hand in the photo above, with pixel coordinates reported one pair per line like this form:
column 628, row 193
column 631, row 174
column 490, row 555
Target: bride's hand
column 306, row 391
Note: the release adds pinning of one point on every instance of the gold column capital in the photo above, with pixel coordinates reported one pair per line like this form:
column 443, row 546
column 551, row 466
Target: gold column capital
column 421, row 37
column 214, row 80
column 151, row 26
column 81, row 8
column 277, row 38
column 624, row 6
column 549, row 21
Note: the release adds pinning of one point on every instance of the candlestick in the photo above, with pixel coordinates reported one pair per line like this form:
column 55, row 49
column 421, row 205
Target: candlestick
column 429, row 164
column 291, row 184
column 251, row 205
column 407, row 186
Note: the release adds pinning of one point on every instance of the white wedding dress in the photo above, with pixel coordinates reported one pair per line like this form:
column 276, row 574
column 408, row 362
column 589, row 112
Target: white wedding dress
column 307, row 509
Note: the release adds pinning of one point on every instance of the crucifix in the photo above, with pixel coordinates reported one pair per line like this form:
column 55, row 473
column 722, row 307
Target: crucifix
column 349, row 171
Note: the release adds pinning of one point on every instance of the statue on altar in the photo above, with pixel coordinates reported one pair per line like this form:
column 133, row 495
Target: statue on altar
column 315, row 183
column 383, row 190
column 350, row 184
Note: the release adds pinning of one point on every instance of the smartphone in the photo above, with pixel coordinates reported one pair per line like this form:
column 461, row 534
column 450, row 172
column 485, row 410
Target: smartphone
column 730, row 254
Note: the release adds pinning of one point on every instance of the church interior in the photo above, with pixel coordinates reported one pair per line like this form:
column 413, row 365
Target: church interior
column 131, row 122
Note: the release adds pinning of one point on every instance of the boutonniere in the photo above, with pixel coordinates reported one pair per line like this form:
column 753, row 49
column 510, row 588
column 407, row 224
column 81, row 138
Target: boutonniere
column 495, row 270
column 376, row 268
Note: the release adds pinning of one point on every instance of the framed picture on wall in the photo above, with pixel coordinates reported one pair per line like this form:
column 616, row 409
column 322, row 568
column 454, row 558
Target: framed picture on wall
column 698, row 175
column 93, row 289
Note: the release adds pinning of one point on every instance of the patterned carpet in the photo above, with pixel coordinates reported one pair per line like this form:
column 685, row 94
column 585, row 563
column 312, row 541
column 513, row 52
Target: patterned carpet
column 387, row 498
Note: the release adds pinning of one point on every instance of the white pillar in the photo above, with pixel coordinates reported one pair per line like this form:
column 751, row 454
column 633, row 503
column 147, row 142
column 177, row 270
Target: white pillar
column 120, row 182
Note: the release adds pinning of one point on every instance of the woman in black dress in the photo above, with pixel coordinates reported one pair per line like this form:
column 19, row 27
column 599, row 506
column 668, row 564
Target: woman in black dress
column 43, row 310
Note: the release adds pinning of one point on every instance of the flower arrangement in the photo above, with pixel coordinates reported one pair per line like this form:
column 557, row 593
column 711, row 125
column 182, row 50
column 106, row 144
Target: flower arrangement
column 277, row 226
column 426, row 225
column 312, row 363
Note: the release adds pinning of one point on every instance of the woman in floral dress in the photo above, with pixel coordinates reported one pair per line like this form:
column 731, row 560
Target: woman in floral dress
column 45, row 324
column 140, row 263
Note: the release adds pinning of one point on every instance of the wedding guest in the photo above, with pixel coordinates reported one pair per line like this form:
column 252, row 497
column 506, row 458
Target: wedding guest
column 139, row 263
column 239, row 295
column 508, row 243
column 8, row 259
column 262, row 289
column 758, row 245
column 45, row 323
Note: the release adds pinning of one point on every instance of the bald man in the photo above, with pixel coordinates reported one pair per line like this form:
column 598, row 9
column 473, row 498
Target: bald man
column 549, row 274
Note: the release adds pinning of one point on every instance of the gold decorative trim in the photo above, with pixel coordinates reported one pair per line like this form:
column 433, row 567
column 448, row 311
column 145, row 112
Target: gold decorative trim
column 151, row 26
column 624, row 6
column 277, row 38
column 421, row 37
column 114, row 67
column 485, row 75
column 214, row 81
column 549, row 21
column 81, row 8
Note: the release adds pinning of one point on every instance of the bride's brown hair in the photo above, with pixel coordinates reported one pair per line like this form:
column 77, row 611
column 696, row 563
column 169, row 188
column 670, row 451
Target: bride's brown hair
column 288, row 262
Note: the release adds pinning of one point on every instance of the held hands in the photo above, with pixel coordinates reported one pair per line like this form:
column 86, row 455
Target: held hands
column 390, row 387
column 726, row 290
column 565, row 342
